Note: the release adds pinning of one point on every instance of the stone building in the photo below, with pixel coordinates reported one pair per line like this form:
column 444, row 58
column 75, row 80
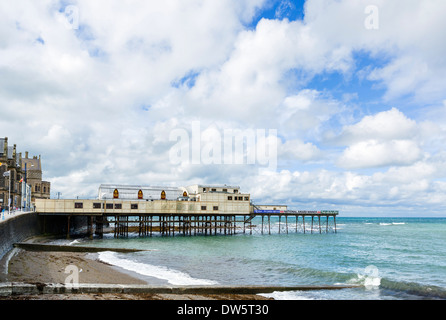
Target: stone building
column 32, row 173
column 9, row 165
column 19, row 173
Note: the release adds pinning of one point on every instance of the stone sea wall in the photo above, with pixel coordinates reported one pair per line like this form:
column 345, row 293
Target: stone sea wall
column 17, row 229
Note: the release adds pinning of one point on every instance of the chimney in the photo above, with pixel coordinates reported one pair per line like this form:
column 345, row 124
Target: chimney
column 26, row 154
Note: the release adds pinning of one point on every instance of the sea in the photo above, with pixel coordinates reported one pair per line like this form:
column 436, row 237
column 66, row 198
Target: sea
column 389, row 258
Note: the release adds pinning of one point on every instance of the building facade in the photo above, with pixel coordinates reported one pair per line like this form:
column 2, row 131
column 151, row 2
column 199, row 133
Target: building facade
column 10, row 175
column 195, row 199
column 20, row 178
column 32, row 172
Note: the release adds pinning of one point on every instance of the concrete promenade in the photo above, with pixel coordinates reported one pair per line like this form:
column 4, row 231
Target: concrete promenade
column 15, row 213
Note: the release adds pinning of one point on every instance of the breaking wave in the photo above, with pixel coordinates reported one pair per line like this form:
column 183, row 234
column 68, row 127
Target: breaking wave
column 172, row 276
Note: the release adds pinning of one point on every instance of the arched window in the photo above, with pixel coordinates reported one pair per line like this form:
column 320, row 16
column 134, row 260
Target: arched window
column 163, row 195
column 184, row 194
column 115, row 194
column 140, row 194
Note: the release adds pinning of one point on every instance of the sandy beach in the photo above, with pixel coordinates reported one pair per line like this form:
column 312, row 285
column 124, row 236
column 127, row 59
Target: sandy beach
column 49, row 267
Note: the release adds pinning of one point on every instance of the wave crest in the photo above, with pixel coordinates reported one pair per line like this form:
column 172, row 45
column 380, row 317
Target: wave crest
column 174, row 277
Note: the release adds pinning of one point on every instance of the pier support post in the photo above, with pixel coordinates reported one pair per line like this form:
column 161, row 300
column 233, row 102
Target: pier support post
column 334, row 217
column 312, row 218
column 279, row 222
column 90, row 227
column 262, row 223
column 286, row 224
column 68, row 227
column 99, row 223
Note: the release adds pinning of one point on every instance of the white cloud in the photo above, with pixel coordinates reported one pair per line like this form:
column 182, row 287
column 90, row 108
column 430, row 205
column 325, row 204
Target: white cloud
column 387, row 138
column 57, row 137
column 304, row 113
column 372, row 153
column 299, row 150
column 386, row 125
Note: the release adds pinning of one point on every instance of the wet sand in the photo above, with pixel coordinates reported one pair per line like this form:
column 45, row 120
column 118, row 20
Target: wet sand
column 50, row 267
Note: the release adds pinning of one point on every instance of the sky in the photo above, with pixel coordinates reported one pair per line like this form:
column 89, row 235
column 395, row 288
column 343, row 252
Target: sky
column 316, row 104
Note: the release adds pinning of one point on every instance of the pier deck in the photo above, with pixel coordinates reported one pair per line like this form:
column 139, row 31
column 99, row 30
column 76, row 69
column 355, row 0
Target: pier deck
column 123, row 218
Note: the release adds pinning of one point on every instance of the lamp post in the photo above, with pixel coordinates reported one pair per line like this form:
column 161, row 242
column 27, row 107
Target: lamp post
column 8, row 174
column 9, row 193
column 27, row 203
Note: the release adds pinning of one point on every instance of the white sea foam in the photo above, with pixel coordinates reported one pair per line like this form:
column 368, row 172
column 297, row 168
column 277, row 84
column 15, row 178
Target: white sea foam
column 391, row 223
column 369, row 278
column 174, row 277
column 285, row 295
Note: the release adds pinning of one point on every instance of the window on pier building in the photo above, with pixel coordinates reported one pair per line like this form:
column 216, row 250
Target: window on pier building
column 215, row 208
column 229, row 197
column 246, row 198
column 109, row 206
column 118, row 205
column 78, row 205
column 134, row 206
column 203, row 207
column 96, row 205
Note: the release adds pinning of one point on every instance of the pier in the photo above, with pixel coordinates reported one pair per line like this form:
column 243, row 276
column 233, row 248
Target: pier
column 188, row 225
column 179, row 218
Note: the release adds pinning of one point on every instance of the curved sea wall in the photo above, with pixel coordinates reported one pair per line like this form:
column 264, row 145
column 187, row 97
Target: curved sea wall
column 17, row 229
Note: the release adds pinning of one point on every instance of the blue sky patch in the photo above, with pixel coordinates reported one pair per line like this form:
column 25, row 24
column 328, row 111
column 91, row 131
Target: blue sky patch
column 40, row 40
column 280, row 9
column 188, row 80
